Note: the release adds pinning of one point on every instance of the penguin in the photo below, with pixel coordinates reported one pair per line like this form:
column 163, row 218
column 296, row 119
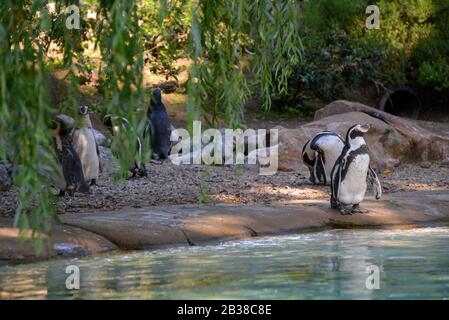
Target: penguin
column 351, row 172
column 320, row 153
column 115, row 124
column 86, row 146
column 309, row 159
column 69, row 175
column 158, row 126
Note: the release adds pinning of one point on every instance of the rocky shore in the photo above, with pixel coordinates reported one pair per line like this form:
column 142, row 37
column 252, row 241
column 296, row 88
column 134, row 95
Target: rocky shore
column 150, row 228
column 164, row 209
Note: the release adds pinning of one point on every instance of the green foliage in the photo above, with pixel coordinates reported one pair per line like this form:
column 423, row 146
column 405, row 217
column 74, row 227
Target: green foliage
column 435, row 74
column 165, row 27
column 341, row 54
column 203, row 197
column 122, row 52
column 222, row 33
column 221, row 38
column 25, row 111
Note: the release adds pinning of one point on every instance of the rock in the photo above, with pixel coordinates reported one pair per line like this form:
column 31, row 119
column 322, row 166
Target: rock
column 99, row 137
column 290, row 146
column 5, row 177
column 131, row 229
column 392, row 140
column 66, row 241
column 186, row 225
column 105, row 156
column 425, row 165
column 445, row 162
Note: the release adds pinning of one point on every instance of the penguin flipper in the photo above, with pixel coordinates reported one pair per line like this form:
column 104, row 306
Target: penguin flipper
column 149, row 131
column 321, row 168
column 336, row 181
column 374, row 180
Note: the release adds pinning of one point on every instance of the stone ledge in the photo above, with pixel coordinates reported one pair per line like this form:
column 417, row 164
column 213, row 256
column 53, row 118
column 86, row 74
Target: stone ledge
column 66, row 241
column 187, row 225
column 149, row 228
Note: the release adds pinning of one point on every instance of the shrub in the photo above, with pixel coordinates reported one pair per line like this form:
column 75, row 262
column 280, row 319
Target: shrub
column 341, row 54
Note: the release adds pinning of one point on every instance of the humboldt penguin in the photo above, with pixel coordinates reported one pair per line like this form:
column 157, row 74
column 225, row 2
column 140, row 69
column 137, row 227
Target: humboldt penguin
column 320, row 153
column 351, row 172
column 87, row 147
column 158, row 126
column 72, row 177
column 117, row 124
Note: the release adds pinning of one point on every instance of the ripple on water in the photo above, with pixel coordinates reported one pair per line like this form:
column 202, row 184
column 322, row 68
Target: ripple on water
column 330, row 265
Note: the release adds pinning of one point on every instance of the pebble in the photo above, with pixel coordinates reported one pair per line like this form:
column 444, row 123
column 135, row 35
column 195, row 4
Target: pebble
column 425, row 165
column 178, row 185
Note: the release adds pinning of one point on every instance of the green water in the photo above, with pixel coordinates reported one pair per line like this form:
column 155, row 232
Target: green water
column 325, row 265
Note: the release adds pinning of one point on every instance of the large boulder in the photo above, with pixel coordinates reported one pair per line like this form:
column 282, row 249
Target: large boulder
column 65, row 241
column 99, row 137
column 391, row 140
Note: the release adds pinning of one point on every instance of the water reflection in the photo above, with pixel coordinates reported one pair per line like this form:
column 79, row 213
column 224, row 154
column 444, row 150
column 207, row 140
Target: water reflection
column 329, row 265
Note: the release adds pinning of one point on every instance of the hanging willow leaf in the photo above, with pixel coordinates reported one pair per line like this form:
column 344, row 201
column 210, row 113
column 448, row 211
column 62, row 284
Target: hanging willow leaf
column 238, row 48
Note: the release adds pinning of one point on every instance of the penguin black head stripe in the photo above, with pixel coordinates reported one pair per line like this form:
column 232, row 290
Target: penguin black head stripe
column 357, row 130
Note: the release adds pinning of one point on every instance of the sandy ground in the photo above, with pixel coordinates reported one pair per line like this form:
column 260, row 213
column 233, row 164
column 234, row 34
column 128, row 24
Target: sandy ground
column 169, row 184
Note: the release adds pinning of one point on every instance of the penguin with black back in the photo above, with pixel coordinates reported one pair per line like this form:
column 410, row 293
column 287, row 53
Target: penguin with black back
column 320, row 153
column 115, row 125
column 158, row 126
column 351, row 172
column 72, row 171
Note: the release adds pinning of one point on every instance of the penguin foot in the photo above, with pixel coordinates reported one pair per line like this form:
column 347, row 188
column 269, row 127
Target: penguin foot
column 346, row 211
column 142, row 172
column 356, row 209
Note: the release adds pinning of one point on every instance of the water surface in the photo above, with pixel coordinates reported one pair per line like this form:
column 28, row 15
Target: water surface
column 413, row 264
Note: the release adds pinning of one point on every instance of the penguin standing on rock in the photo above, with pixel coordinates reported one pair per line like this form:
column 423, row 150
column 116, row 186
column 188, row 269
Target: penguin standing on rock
column 320, row 153
column 70, row 164
column 87, row 147
column 158, row 126
column 351, row 172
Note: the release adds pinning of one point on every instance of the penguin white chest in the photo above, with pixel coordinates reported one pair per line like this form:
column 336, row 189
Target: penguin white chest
column 353, row 187
column 85, row 145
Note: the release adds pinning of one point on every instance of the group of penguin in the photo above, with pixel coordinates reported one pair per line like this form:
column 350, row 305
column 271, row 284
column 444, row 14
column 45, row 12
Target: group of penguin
column 344, row 164
column 78, row 153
